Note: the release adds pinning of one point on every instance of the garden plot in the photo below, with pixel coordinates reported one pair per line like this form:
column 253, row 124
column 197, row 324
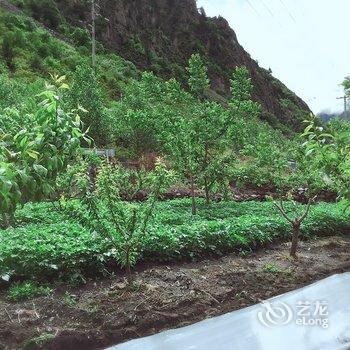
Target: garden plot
column 102, row 312
column 314, row 317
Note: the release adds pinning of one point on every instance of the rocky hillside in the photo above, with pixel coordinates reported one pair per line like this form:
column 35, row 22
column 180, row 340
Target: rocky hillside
column 160, row 35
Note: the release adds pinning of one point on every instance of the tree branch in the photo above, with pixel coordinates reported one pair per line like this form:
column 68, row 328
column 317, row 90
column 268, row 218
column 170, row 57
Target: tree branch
column 307, row 209
column 280, row 207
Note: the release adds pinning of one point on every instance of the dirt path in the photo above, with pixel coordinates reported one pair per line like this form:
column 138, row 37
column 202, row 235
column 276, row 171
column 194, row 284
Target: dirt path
column 103, row 313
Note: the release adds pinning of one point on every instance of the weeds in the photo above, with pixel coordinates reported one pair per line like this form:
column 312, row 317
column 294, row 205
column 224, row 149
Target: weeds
column 27, row 290
column 271, row 268
column 39, row 341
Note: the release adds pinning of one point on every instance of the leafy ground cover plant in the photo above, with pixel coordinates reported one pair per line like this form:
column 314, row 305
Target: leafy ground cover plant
column 40, row 341
column 271, row 268
column 47, row 244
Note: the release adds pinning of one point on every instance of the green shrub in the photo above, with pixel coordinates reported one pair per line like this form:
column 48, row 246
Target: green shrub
column 45, row 11
column 8, row 53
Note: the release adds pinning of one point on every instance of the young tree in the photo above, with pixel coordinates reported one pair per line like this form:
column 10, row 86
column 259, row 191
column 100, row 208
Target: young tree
column 296, row 219
column 137, row 115
column 180, row 120
column 31, row 159
column 111, row 212
column 86, row 92
column 218, row 139
column 346, row 85
column 198, row 80
column 301, row 180
column 8, row 51
column 328, row 153
column 197, row 133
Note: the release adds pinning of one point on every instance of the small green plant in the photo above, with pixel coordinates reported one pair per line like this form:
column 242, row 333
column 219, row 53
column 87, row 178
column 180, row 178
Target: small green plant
column 70, row 299
column 271, row 268
column 27, row 290
column 94, row 309
column 39, row 341
column 123, row 223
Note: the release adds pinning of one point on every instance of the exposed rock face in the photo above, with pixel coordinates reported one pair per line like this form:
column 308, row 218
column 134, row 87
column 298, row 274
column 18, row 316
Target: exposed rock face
column 162, row 34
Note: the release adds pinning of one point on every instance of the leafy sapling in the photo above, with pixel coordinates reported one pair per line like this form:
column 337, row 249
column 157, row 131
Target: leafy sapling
column 328, row 153
column 198, row 81
column 31, row 159
column 123, row 222
column 197, row 134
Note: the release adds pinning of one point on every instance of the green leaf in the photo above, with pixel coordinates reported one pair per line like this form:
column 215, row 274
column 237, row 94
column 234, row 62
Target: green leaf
column 33, row 154
column 40, row 170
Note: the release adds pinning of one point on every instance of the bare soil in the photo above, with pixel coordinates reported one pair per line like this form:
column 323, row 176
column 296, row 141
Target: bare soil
column 104, row 312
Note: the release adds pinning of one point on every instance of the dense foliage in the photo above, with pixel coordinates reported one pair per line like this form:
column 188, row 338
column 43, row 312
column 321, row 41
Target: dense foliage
column 108, row 209
column 34, row 153
column 198, row 137
column 126, row 110
column 94, row 222
column 46, row 243
column 329, row 153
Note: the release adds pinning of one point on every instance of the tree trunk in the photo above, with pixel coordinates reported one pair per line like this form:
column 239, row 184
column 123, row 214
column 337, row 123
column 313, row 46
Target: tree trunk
column 295, row 239
column 6, row 219
column 129, row 274
column 193, row 195
column 128, row 268
column 92, row 178
column 207, row 194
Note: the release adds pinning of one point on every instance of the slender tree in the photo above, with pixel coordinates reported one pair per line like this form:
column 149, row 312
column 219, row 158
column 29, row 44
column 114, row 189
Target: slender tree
column 197, row 133
column 123, row 222
column 198, row 80
column 295, row 221
column 87, row 93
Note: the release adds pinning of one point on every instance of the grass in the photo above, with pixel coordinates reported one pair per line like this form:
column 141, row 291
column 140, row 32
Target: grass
column 46, row 244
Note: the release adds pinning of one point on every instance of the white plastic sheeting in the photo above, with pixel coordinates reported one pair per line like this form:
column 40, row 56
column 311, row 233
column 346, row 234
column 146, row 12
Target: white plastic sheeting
column 316, row 317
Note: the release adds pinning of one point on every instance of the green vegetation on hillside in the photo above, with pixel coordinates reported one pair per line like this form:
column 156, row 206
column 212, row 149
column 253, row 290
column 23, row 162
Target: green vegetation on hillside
column 126, row 109
column 187, row 140
column 129, row 123
column 164, row 49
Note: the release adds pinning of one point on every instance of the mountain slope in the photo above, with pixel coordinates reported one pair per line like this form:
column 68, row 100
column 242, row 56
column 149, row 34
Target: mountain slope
column 162, row 34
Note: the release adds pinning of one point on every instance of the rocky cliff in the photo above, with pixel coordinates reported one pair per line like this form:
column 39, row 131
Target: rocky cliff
column 162, row 34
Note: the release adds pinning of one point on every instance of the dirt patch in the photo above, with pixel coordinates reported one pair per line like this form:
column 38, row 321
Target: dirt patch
column 104, row 312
